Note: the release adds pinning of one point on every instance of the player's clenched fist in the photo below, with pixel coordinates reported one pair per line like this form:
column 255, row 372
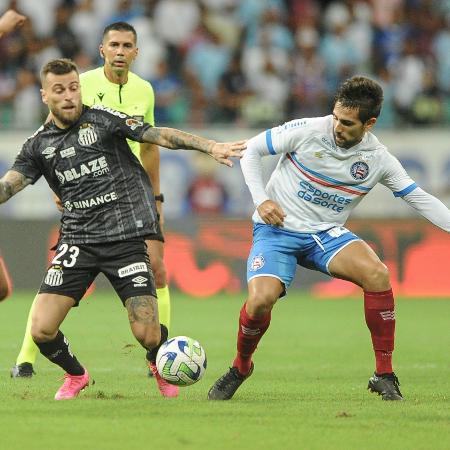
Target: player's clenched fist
column 272, row 213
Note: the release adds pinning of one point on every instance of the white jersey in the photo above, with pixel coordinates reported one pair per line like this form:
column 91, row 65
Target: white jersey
column 318, row 184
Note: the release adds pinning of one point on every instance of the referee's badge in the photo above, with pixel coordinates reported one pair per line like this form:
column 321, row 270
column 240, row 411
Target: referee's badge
column 54, row 276
column 87, row 135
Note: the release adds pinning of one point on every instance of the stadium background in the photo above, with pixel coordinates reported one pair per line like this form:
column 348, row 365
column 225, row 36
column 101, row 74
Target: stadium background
column 228, row 69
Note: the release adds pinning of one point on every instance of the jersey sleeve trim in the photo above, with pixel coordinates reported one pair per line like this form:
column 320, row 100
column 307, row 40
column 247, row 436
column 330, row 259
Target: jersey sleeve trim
column 406, row 191
column 270, row 143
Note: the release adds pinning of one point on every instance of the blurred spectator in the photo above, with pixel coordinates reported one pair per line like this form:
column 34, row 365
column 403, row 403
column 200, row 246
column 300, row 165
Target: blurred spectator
column 126, row 11
column 85, row 23
column 151, row 48
column 65, row 38
column 293, row 53
column 309, row 94
column 336, row 47
column 233, row 91
column 427, row 107
column 408, row 79
column 170, row 103
column 206, row 62
column 41, row 13
column 206, row 194
column 389, row 38
column 27, row 102
column 176, row 21
column 441, row 48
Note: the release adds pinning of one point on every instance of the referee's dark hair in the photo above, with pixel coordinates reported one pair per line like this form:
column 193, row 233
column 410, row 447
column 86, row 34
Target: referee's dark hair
column 120, row 26
column 363, row 94
column 59, row 66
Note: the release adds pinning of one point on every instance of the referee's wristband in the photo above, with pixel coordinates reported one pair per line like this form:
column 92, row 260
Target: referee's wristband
column 159, row 198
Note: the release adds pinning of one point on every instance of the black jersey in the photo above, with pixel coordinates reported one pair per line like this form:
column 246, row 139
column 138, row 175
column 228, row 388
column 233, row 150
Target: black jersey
column 105, row 191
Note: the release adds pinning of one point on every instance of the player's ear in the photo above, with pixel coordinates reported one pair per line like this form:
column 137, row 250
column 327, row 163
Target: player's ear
column 370, row 123
column 100, row 49
column 44, row 97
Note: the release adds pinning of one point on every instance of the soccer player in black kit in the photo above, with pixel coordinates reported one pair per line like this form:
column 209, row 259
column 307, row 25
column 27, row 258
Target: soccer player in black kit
column 106, row 194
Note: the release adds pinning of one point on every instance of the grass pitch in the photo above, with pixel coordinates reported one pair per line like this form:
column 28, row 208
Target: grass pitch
column 308, row 390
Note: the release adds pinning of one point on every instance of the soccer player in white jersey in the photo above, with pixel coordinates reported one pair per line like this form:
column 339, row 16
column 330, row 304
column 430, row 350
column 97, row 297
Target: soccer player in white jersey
column 327, row 165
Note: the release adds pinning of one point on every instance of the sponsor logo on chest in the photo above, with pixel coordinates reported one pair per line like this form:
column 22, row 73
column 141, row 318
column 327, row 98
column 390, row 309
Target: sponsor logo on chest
column 68, row 152
column 90, row 202
column 95, row 168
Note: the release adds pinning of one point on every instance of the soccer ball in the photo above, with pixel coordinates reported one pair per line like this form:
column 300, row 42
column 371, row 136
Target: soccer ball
column 181, row 361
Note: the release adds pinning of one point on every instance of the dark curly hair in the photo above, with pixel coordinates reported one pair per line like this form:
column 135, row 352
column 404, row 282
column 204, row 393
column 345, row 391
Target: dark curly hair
column 363, row 94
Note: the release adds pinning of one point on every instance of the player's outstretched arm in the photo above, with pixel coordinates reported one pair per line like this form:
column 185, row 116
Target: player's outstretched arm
column 176, row 139
column 12, row 183
column 10, row 20
column 430, row 207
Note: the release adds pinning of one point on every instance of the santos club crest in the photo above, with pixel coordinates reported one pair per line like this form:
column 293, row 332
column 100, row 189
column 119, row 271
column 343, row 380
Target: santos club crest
column 86, row 134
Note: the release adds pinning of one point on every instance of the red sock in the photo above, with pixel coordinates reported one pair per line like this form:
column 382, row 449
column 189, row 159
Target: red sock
column 380, row 319
column 251, row 331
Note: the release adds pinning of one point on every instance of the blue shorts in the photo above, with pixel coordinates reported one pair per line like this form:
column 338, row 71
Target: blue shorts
column 277, row 252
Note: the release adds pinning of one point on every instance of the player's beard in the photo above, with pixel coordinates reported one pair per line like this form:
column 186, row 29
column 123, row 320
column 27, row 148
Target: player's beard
column 68, row 117
column 346, row 143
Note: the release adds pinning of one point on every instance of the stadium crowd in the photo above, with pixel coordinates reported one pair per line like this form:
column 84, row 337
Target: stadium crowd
column 252, row 62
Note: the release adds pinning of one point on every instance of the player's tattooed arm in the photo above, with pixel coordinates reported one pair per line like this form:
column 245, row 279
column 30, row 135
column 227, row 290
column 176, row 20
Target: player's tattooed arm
column 176, row 139
column 12, row 183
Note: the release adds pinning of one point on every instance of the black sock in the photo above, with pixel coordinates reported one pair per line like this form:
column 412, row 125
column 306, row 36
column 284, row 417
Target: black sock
column 58, row 352
column 151, row 354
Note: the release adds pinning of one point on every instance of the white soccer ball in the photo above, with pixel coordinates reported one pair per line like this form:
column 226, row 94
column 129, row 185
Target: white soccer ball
column 181, row 361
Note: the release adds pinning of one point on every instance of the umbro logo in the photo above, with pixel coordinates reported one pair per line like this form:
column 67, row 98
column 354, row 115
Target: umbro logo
column 49, row 152
column 139, row 281
column 100, row 95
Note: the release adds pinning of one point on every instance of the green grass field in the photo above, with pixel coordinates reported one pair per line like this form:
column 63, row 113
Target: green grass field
column 308, row 390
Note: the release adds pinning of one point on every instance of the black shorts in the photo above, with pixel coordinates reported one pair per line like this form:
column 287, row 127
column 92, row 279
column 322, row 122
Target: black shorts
column 125, row 264
column 158, row 236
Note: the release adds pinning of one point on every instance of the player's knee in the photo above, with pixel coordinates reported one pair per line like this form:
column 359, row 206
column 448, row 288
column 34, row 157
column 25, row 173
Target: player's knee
column 260, row 303
column 41, row 334
column 377, row 277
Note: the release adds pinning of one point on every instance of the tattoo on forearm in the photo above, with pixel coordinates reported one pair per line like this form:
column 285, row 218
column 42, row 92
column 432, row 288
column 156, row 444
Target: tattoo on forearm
column 12, row 183
column 142, row 309
column 173, row 139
